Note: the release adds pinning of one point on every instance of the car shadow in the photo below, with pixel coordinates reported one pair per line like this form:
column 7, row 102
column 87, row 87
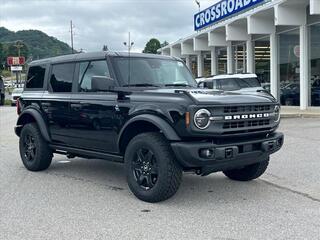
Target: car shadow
column 213, row 188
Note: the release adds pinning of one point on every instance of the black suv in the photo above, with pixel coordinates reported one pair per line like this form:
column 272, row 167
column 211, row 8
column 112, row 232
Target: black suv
column 2, row 91
column 147, row 112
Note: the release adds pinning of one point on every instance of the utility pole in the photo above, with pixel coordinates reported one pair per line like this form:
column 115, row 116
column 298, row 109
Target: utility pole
column 18, row 45
column 71, row 35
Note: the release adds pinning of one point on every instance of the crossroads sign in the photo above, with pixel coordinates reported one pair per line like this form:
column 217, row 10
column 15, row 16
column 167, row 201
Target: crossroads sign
column 222, row 10
column 15, row 61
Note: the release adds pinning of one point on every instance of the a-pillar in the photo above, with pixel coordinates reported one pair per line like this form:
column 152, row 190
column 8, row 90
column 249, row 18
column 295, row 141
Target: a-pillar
column 250, row 56
column 200, row 64
column 274, row 69
column 188, row 61
column 214, row 64
column 304, row 67
column 229, row 58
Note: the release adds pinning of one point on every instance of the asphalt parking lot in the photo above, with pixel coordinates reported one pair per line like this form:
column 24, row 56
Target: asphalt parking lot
column 89, row 199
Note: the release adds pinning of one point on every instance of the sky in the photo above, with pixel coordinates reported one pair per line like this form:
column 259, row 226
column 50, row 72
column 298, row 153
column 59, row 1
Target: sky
column 103, row 22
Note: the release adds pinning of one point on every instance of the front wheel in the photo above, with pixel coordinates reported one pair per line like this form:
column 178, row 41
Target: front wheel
column 249, row 172
column 153, row 174
column 34, row 150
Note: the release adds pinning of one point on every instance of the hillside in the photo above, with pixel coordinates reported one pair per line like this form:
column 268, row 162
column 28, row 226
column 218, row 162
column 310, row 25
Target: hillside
column 39, row 44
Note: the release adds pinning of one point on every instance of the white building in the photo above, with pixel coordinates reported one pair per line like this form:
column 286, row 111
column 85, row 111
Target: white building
column 279, row 40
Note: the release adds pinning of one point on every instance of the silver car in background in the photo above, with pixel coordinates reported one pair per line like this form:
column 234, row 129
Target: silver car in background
column 16, row 93
column 232, row 82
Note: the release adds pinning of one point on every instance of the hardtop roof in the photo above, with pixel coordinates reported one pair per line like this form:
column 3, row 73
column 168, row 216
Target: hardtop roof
column 95, row 56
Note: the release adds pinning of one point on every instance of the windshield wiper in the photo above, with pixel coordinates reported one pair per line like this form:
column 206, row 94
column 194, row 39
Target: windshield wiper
column 140, row 85
column 178, row 85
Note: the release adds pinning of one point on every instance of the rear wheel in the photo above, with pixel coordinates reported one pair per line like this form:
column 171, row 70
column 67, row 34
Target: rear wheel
column 249, row 172
column 34, row 150
column 153, row 174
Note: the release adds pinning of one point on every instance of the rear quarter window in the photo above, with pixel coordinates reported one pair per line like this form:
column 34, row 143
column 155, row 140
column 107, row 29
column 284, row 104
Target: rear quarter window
column 35, row 77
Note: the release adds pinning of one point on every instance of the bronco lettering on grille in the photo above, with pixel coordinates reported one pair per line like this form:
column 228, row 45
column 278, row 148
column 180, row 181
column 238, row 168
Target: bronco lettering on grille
column 247, row 116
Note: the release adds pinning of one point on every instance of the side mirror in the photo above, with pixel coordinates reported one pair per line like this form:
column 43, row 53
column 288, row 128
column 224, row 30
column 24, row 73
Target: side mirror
column 200, row 84
column 102, row 83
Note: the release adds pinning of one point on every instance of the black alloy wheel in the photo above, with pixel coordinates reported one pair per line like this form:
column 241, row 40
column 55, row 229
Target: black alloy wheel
column 29, row 147
column 145, row 168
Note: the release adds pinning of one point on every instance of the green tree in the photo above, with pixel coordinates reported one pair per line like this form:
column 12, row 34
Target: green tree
column 2, row 57
column 152, row 46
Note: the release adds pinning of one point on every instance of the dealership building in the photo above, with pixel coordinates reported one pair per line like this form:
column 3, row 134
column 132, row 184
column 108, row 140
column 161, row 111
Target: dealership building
column 279, row 40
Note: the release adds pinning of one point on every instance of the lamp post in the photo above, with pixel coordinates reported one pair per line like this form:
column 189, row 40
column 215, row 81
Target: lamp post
column 198, row 3
column 129, row 44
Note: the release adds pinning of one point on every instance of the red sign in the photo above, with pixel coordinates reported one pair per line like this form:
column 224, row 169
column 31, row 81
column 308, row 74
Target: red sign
column 15, row 61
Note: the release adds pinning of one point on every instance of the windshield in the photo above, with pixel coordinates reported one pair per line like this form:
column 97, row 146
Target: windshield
column 249, row 82
column 152, row 72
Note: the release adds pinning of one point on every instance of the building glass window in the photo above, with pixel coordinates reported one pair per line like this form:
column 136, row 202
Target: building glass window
column 290, row 68
column 239, row 58
column 222, row 60
column 315, row 65
column 262, row 62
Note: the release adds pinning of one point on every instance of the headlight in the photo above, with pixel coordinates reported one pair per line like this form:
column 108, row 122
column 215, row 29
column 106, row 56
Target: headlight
column 202, row 118
column 277, row 113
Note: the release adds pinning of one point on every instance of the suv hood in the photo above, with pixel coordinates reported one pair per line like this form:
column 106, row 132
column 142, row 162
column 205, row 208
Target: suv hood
column 209, row 96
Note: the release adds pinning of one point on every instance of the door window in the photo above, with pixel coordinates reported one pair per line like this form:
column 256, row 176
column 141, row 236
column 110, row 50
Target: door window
column 61, row 77
column 89, row 69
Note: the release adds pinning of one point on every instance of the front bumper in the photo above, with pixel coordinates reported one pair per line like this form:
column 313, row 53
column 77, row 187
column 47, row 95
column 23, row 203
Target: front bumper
column 228, row 155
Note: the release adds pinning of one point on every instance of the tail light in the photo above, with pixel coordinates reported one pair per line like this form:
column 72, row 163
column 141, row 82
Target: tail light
column 18, row 105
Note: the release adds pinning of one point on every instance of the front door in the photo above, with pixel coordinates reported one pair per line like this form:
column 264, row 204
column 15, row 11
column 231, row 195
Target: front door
column 94, row 113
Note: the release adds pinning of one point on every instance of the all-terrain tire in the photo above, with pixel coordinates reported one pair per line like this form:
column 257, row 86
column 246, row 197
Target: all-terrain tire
column 37, row 156
column 249, row 172
column 169, row 172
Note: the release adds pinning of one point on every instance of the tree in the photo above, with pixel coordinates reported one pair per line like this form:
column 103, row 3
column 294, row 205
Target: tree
column 2, row 57
column 152, row 46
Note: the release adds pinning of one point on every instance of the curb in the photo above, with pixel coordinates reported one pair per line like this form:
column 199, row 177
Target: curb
column 300, row 115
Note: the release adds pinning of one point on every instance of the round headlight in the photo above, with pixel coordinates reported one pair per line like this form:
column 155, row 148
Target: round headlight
column 277, row 113
column 202, row 118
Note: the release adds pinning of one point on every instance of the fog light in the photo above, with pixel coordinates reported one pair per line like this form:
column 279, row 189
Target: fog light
column 206, row 153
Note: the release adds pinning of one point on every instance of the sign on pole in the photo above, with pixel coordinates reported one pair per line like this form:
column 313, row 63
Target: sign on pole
column 16, row 68
column 15, row 61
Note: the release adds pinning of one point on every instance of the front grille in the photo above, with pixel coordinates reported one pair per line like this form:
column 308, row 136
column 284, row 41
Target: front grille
column 244, row 119
column 247, row 109
column 244, row 124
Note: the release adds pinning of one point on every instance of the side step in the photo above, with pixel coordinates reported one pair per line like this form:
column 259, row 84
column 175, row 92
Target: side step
column 86, row 153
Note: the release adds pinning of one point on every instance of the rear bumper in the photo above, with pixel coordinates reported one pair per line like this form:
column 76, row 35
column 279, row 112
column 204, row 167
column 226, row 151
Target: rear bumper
column 226, row 156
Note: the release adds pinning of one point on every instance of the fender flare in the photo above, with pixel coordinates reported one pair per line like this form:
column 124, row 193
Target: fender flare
column 39, row 120
column 160, row 123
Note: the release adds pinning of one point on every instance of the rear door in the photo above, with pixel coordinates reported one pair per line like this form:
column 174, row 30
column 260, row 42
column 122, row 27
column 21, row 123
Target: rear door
column 56, row 102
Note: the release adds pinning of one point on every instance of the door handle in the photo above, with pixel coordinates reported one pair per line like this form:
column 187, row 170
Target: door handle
column 45, row 104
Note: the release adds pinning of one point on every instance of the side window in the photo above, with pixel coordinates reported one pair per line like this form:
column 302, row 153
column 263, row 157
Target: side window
column 61, row 77
column 35, row 77
column 88, row 70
